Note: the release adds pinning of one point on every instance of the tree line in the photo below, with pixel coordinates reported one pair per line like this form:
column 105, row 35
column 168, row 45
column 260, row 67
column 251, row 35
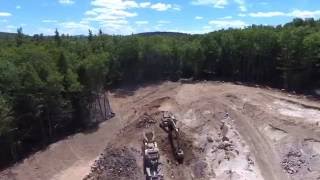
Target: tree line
column 47, row 83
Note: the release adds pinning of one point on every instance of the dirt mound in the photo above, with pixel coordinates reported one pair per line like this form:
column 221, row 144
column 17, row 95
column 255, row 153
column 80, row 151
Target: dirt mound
column 155, row 104
column 115, row 163
column 145, row 121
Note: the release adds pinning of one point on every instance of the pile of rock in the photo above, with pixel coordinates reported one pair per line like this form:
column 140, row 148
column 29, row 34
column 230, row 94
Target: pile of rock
column 226, row 145
column 114, row 164
column 145, row 121
column 293, row 161
column 223, row 144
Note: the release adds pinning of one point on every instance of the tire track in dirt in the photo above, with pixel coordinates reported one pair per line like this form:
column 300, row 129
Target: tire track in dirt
column 263, row 151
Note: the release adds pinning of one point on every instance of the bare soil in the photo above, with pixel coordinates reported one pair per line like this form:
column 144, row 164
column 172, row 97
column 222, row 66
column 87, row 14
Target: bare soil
column 228, row 132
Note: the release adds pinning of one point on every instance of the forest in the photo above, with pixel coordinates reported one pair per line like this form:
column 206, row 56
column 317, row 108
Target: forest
column 47, row 83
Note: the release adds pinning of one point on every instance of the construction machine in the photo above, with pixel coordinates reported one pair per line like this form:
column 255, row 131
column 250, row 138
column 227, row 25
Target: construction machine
column 151, row 157
column 168, row 124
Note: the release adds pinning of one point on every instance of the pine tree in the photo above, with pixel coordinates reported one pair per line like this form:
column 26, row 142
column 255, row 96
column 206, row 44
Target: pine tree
column 100, row 32
column 90, row 36
column 57, row 37
column 19, row 37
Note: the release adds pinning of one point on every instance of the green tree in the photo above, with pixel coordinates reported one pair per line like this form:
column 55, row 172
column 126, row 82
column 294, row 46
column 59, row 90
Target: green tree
column 90, row 36
column 19, row 37
column 100, row 32
column 311, row 63
column 57, row 37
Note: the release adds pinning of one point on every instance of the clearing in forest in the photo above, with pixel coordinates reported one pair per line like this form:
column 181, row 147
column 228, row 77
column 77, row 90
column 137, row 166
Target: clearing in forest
column 227, row 131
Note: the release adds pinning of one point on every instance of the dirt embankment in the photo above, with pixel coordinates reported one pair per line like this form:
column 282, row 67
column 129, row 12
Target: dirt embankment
column 228, row 132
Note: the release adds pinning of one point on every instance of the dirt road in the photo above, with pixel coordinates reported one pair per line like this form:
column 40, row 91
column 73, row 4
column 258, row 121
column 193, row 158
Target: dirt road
column 229, row 132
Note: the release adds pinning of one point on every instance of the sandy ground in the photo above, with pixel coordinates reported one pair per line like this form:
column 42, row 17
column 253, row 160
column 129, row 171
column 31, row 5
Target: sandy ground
column 270, row 135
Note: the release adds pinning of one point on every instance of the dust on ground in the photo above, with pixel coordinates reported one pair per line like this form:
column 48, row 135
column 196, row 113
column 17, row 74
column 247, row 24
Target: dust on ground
column 228, row 132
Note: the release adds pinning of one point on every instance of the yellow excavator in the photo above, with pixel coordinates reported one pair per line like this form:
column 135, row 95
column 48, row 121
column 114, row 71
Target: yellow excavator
column 151, row 155
column 168, row 124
